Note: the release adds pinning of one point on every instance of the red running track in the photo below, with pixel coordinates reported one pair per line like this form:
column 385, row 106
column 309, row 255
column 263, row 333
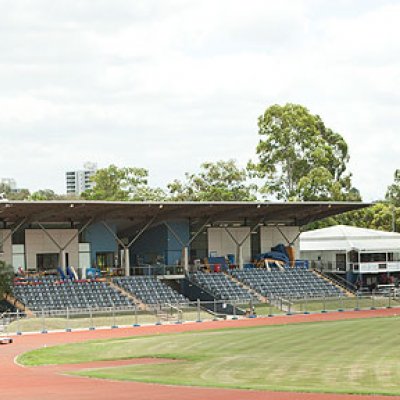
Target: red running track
column 48, row 383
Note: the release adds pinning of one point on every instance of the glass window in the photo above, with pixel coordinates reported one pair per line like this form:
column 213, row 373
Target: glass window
column 373, row 257
column 395, row 256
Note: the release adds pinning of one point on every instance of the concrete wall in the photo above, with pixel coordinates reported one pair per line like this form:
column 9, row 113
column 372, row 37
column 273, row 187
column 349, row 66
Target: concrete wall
column 37, row 242
column 219, row 241
column 270, row 236
column 6, row 248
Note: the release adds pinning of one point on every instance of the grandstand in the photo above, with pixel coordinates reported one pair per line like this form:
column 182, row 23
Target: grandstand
column 149, row 290
column 50, row 293
column 221, row 287
column 288, row 283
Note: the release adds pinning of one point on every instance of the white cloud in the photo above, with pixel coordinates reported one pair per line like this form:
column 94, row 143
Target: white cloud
column 169, row 84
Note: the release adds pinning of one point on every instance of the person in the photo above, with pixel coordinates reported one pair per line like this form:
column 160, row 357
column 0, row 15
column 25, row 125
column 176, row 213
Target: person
column 319, row 264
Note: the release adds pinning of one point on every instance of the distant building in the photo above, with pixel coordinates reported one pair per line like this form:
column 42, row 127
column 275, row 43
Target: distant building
column 79, row 181
column 10, row 182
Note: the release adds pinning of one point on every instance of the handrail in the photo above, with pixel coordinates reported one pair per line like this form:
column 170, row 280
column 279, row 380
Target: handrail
column 341, row 281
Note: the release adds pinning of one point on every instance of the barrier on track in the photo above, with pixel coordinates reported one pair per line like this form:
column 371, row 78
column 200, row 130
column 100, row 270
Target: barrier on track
column 78, row 319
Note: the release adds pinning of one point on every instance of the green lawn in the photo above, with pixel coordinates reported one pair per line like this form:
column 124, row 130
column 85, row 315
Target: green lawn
column 353, row 356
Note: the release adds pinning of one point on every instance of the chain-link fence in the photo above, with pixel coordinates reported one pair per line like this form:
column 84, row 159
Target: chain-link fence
column 91, row 318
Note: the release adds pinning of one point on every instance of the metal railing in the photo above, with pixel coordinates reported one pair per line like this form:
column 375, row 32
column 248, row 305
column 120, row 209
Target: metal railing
column 113, row 317
column 155, row 270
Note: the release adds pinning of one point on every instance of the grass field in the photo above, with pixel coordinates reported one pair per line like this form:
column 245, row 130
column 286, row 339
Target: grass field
column 353, row 356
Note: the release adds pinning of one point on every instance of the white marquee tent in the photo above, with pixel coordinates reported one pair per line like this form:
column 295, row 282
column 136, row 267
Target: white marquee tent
column 348, row 238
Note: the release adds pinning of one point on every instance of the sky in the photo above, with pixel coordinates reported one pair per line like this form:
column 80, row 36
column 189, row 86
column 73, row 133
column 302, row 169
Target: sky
column 169, row 84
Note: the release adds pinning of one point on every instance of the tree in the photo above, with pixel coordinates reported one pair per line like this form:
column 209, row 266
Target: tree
column 300, row 158
column 393, row 191
column 6, row 279
column 121, row 184
column 379, row 216
column 21, row 194
column 44, row 194
column 219, row 181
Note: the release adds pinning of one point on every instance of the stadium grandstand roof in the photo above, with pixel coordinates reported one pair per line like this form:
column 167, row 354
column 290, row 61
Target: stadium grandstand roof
column 136, row 213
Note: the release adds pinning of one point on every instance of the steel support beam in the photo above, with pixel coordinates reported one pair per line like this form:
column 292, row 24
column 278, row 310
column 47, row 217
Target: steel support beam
column 290, row 243
column 12, row 231
column 60, row 247
column 239, row 244
column 126, row 247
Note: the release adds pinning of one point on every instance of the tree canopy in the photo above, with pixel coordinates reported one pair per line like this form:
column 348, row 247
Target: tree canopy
column 121, row 184
column 45, row 194
column 299, row 157
column 393, row 191
column 219, row 181
column 6, row 278
column 22, row 194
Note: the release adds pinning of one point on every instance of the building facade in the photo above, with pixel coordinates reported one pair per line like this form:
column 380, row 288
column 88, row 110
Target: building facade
column 79, row 181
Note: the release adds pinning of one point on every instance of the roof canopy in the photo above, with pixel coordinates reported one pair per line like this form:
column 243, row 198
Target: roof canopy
column 131, row 214
column 347, row 238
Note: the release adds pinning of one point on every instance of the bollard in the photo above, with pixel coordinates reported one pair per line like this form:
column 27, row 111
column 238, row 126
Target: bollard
column 305, row 305
column 158, row 320
column 91, row 327
column 389, row 301
column 270, row 308
column 114, row 324
column 67, row 327
column 215, row 311
column 234, row 317
column 289, row 312
column 198, row 310
column 324, row 305
column 43, row 323
column 341, row 304
column 373, row 301
column 357, row 307
column 180, row 315
column 18, row 327
column 136, row 324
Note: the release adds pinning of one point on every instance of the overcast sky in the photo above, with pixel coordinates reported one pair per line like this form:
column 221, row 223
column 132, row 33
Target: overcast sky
column 168, row 84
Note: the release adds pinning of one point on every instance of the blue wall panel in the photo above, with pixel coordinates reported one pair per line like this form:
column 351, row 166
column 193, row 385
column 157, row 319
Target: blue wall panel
column 159, row 241
column 151, row 244
column 100, row 240
column 174, row 249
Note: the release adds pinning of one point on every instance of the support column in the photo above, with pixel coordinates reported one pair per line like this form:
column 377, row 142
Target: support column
column 127, row 262
column 240, row 255
column 63, row 261
column 239, row 245
column 186, row 258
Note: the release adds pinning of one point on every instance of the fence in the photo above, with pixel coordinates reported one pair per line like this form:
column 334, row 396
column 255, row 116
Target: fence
column 78, row 319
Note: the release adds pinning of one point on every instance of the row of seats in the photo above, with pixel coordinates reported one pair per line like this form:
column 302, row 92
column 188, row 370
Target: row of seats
column 221, row 287
column 288, row 283
column 53, row 294
column 150, row 290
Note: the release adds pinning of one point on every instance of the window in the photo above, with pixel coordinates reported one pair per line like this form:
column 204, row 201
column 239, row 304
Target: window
column 372, row 257
column 393, row 256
